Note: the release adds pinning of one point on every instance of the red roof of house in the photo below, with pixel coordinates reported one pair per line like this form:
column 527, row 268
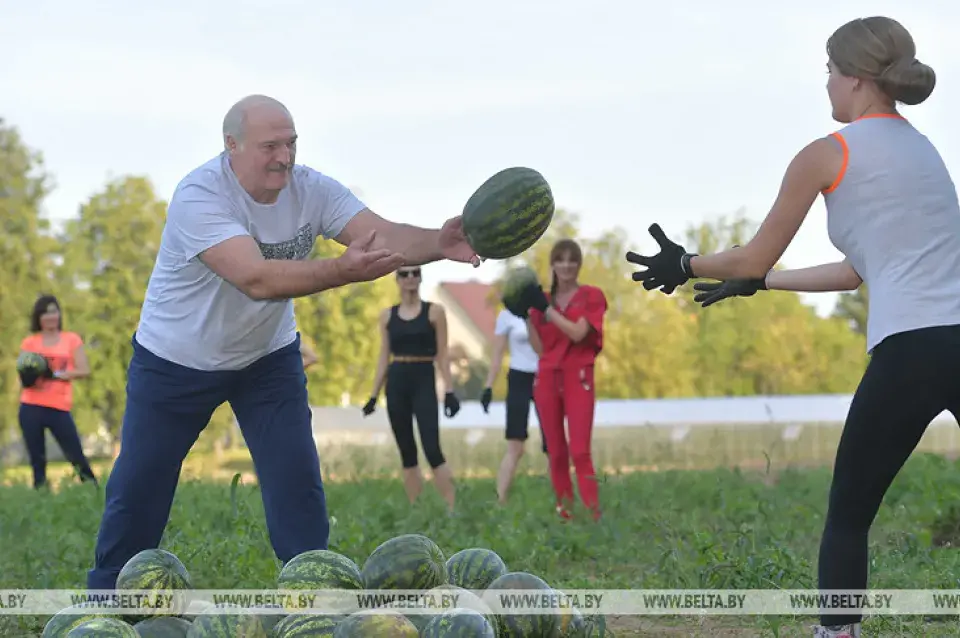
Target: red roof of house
column 477, row 301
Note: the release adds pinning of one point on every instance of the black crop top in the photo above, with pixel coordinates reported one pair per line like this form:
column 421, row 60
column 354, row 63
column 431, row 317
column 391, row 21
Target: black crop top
column 414, row 338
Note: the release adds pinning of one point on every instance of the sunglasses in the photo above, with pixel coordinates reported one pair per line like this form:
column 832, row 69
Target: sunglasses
column 403, row 274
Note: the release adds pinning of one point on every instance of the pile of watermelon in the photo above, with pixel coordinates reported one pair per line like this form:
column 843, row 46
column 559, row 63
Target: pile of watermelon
column 406, row 562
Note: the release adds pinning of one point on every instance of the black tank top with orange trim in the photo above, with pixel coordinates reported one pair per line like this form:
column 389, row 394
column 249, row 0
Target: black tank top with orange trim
column 412, row 338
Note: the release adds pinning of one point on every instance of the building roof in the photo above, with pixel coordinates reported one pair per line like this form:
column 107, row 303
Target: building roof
column 477, row 302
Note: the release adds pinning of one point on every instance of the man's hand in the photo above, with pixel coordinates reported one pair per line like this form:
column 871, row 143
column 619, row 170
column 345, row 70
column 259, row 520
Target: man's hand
column 359, row 262
column 666, row 270
column 714, row 292
column 453, row 243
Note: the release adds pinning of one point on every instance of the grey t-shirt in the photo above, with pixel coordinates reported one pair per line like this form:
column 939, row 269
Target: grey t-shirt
column 193, row 317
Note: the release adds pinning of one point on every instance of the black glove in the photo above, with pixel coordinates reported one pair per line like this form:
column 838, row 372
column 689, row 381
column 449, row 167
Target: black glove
column 713, row 292
column 370, row 406
column 47, row 372
column 531, row 296
column 451, row 405
column 668, row 269
column 28, row 378
column 485, row 398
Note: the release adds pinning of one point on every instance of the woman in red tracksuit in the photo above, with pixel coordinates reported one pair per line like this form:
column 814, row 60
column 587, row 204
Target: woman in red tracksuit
column 566, row 330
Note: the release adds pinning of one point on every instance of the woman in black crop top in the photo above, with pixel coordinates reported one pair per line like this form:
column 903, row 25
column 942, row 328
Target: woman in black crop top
column 413, row 341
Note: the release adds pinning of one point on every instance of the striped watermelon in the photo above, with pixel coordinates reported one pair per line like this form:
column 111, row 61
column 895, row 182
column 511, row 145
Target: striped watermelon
column 418, row 620
column 408, row 561
column 459, row 623
column 163, row 627
column 31, row 361
column 475, row 568
column 213, row 624
column 69, row 617
column 514, row 282
column 374, row 624
column 508, row 213
column 543, row 625
column 103, row 628
column 159, row 571
column 306, row 626
column 572, row 623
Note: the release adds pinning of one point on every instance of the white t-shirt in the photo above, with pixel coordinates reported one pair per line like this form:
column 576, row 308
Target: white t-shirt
column 193, row 317
column 522, row 355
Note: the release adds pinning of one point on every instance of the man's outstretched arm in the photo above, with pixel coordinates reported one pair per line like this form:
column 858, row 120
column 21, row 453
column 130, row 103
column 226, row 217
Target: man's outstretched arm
column 417, row 245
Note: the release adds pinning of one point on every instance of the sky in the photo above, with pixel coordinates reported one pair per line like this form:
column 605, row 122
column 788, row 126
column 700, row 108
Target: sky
column 636, row 112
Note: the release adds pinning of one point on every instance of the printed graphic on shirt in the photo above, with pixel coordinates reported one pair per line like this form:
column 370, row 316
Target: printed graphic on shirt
column 292, row 249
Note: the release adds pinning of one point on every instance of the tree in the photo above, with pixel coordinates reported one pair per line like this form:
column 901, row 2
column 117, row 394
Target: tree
column 27, row 253
column 108, row 255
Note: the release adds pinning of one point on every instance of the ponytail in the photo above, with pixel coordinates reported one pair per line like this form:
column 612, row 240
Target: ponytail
column 553, row 291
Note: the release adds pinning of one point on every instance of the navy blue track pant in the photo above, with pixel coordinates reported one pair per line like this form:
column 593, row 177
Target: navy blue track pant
column 34, row 420
column 168, row 406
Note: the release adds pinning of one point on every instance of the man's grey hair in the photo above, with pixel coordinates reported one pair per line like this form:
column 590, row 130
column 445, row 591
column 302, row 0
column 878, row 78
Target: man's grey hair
column 236, row 118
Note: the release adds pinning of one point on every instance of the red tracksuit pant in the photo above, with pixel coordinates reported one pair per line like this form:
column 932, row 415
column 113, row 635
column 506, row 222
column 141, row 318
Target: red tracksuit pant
column 568, row 393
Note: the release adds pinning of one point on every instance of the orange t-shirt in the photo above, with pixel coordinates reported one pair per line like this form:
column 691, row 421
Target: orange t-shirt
column 52, row 393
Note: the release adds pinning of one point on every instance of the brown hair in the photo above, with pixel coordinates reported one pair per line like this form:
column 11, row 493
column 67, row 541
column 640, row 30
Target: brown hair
column 563, row 247
column 882, row 50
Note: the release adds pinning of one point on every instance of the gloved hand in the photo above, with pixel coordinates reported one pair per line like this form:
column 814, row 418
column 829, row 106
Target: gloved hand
column 451, row 405
column 47, row 372
column 713, row 292
column 28, row 378
column 668, row 269
column 531, row 296
column 485, row 398
column 370, row 406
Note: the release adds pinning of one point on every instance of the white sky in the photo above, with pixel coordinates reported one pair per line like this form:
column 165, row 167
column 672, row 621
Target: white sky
column 635, row 111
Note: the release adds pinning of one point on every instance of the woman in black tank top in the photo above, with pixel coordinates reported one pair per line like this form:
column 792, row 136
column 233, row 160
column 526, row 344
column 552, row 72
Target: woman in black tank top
column 413, row 340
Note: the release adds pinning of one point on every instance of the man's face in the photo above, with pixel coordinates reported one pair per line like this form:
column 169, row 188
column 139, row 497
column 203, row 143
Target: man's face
column 265, row 157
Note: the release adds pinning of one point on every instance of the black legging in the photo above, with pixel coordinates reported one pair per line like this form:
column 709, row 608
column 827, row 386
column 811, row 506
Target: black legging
column 912, row 377
column 412, row 392
column 34, row 420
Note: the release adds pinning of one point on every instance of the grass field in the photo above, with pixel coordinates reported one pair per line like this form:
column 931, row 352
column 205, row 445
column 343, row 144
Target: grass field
column 711, row 528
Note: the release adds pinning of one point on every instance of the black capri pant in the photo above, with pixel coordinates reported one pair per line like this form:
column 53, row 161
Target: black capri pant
column 412, row 392
column 911, row 378
column 519, row 399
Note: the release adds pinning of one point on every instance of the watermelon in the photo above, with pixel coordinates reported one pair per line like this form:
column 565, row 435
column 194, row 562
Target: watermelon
column 158, row 571
column 595, row 626
column 465, row 599
column 103, row 628
column 459, row 623
column 514, row 282
column 418, row 620
column 163, row 627
column 572, row 623
column 213, row 624
column 320, row 569
column 306, row 626
column 374, row 624
column 69, row 617
column 31, row 361
column 408, row 561
column 542, row 625
column 475, row 568
column 508, row 213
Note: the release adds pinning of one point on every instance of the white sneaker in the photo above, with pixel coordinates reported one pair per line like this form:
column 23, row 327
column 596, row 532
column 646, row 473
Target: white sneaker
column 844, row 631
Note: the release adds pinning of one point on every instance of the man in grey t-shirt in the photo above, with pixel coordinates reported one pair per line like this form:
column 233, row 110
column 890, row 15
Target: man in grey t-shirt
column 217, row 325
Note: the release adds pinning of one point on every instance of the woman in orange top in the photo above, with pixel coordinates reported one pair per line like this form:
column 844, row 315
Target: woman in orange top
column 566, row 330
column 45, row 402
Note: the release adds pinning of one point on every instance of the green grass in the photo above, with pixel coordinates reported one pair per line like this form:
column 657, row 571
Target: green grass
column 712, row 528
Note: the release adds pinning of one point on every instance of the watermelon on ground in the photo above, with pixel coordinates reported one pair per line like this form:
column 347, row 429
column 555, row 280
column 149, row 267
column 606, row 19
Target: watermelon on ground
column 103, row 628
column 408, row 561
column 461, row 599
column 320, row 569
column 64, row 620
column 236, row 624
column 459, row 622
column 508, row 213
column 475, row 568
column 572, row 624
column 376, row 623
column 306, row 626
column 159, row 571
column 542, row 625
column 163, row 627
